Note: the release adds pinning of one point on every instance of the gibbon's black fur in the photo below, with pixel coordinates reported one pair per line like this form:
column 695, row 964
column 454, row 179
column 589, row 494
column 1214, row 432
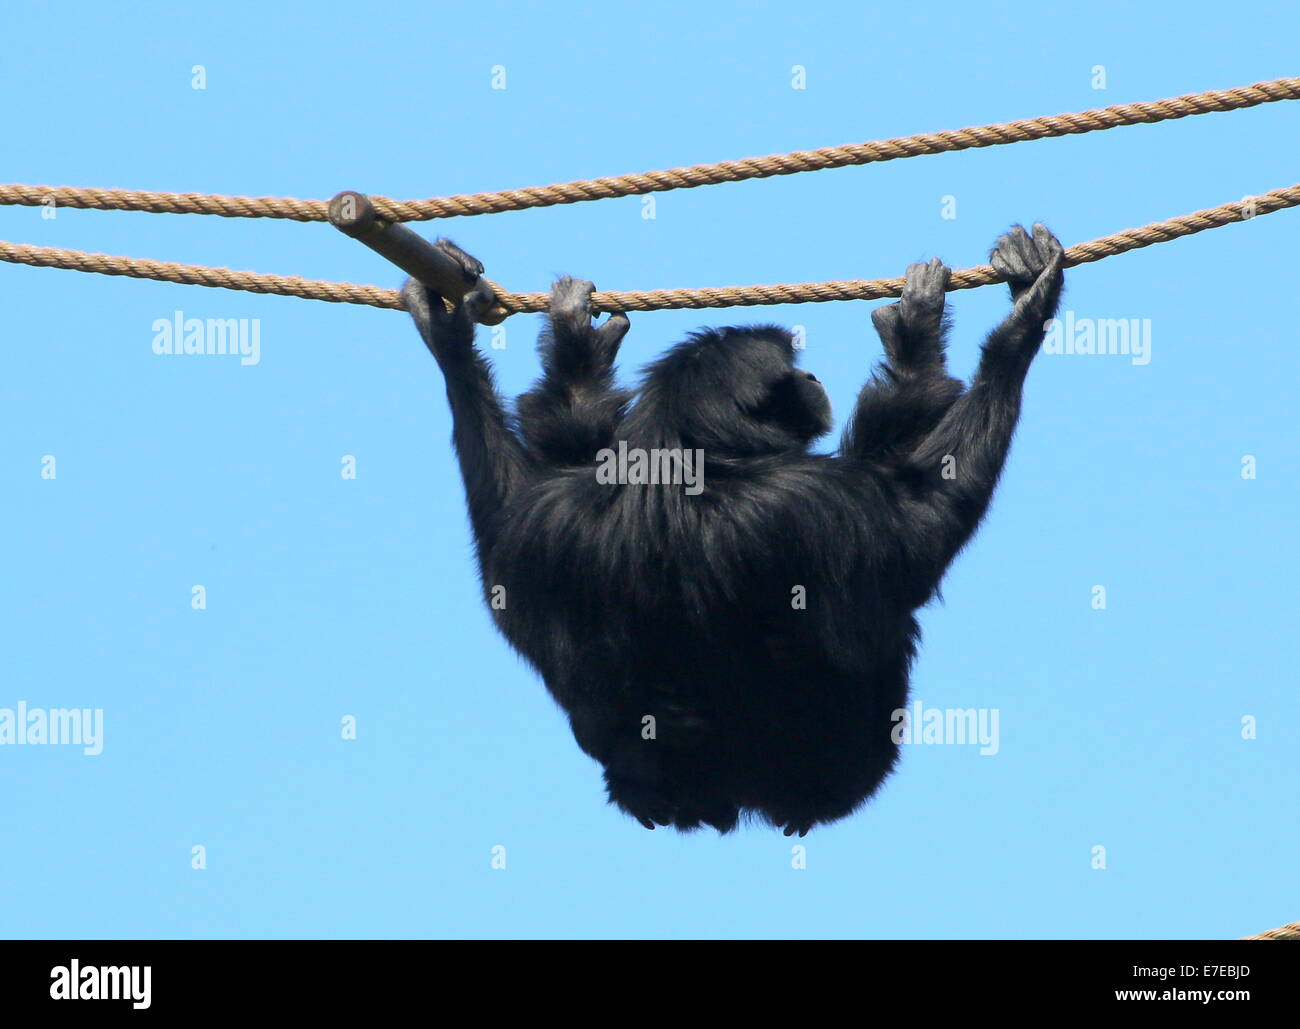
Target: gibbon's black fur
column 742, row 650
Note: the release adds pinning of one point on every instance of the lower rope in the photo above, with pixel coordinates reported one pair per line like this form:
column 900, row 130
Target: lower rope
column 1290, row 931
column 642, row 300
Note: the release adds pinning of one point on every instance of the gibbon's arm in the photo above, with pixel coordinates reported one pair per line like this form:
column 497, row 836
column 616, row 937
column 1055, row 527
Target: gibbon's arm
column 975, row 435
column 573, row 411
column 490, row 454
column 905, row 399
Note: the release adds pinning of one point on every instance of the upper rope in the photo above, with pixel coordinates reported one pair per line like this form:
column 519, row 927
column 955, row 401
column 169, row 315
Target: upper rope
column 651, row 182
column 462, row 205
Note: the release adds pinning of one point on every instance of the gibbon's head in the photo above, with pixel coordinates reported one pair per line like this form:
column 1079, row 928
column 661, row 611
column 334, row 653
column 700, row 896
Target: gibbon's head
column 734, row 391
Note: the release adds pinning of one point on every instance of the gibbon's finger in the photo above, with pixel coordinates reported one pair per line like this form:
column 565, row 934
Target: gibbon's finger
column 478, row 300
column 615, row 328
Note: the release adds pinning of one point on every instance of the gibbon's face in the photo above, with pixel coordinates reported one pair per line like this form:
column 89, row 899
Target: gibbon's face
column 810, row 411
column 790, row 400
column 737, row 391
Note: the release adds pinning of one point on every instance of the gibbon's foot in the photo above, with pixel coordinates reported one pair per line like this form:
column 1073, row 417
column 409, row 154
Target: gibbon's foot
column 642, row 801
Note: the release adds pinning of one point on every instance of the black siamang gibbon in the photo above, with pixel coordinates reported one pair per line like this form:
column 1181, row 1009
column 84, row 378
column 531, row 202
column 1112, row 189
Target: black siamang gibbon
column 744, row 647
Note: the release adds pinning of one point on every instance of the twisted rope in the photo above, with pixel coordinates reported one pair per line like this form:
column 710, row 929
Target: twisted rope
column 997, row 134
column 199, row 275
column 641, row 300
column 1290, row 931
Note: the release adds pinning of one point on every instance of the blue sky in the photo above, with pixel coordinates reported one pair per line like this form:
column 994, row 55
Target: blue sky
column 326, row 597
